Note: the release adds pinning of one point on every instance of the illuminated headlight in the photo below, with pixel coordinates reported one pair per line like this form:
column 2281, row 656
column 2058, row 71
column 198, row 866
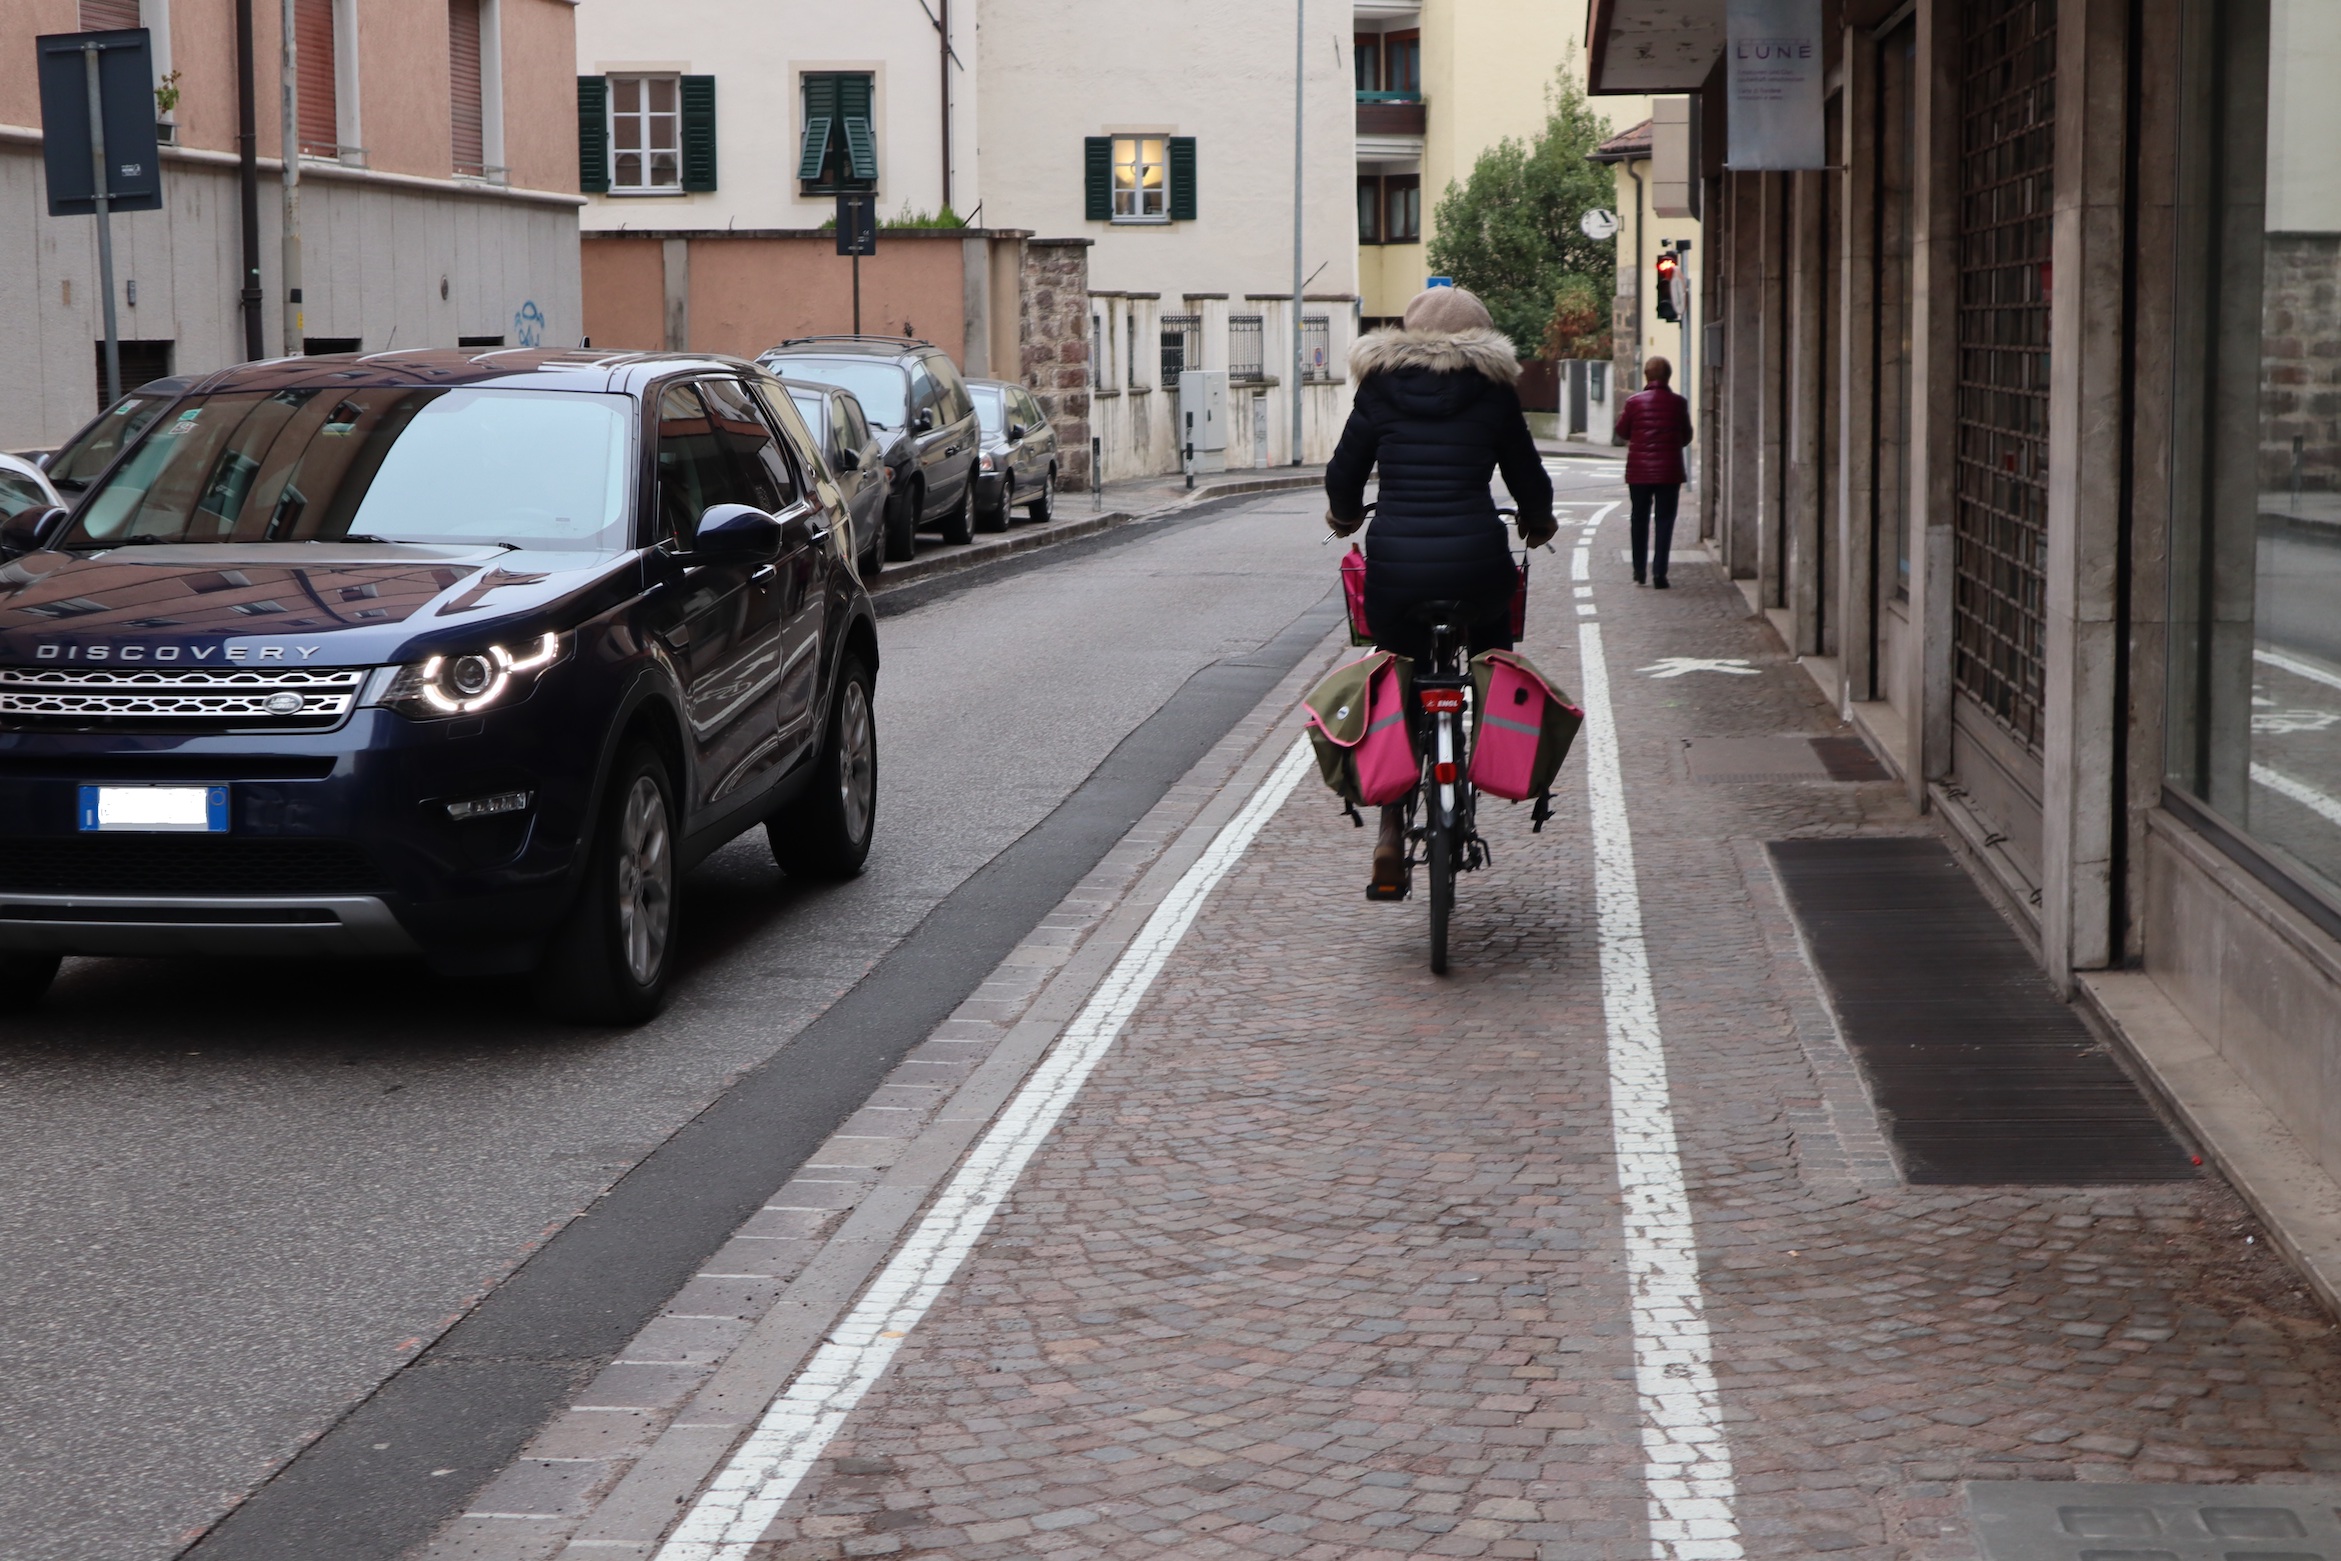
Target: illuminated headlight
column 458, row 685
column 987, row 460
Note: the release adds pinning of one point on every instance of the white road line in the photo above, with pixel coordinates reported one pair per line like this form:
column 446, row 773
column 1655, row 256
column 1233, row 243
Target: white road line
column 2297, row 667
column 732, row 1513
column 2299, row 791
column 1686, row 1467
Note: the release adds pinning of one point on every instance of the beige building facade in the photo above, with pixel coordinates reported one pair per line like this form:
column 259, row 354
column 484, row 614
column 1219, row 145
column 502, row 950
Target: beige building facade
column 2023, row 429
column 438, row 194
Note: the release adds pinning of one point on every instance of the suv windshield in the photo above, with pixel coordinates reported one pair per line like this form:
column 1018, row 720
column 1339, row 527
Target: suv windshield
column 72, row 467
column 878, row 385
column 538, row 469
column 987, row 407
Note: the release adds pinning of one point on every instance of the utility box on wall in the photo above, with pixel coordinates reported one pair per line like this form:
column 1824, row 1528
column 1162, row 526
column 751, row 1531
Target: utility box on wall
column 1203, row 417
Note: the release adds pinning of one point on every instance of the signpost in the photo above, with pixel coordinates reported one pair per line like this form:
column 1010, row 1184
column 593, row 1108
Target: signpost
column 97, row 132
column 857, row 235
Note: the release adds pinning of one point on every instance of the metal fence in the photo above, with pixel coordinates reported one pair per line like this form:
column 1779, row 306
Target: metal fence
column 2007, row 110
column 1247, row 337
column 1316, row 347
column 1182, row 346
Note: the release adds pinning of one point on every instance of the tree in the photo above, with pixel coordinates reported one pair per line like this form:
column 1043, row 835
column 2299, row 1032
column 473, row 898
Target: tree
column 1509, row 232
column 1580, row 324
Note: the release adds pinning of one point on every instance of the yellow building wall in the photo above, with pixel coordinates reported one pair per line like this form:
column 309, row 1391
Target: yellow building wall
column 1487, row 65
column 1663, row 337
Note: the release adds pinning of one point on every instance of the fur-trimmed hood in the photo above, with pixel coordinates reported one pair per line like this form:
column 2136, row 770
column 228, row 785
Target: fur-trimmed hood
column 1485, row 352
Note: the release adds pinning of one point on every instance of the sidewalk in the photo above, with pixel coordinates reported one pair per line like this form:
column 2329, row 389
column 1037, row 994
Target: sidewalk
column 1080, row 515
column 1594, row 1243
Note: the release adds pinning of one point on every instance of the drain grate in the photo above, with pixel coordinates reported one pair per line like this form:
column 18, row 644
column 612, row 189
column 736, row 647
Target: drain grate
column 1741, row 761
column 2046, row 1520
column 1980, row 1075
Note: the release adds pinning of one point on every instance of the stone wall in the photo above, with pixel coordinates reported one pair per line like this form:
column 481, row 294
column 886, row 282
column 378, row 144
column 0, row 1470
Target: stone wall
column 2300, row 363
column 1053, row 289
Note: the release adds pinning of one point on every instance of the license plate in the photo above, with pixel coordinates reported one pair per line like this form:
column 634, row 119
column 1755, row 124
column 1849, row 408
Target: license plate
column 155, row 810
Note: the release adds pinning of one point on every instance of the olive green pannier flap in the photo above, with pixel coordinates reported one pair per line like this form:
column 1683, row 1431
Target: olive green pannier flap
column 1338, row 711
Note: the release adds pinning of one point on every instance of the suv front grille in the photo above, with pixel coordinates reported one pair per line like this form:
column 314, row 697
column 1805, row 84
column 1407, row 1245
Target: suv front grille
column 183, row 865
column 274, row 698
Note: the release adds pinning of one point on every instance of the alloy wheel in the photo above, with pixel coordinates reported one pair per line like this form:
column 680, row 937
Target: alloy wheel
column 857, row 759
column 646, row 881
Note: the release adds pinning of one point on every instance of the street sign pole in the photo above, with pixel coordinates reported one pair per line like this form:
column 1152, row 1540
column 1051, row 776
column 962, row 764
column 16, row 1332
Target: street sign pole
column 857, row 235
column 97, row 168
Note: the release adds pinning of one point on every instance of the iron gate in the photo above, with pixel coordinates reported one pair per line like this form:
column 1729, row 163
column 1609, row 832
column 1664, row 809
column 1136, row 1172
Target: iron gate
column 2007, row 112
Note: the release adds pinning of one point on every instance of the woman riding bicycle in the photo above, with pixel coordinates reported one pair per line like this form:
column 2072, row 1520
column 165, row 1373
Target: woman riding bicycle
column 1436, row 411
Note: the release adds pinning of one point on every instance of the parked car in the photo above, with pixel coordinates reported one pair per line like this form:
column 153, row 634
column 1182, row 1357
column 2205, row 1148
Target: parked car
column 911, row 392
column 92, row 449
column 856, row 458
column 435, row 652
column 24, row 487
column 1019, row 460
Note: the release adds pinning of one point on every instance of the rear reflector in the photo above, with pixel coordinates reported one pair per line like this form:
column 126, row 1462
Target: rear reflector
column 1444, row 773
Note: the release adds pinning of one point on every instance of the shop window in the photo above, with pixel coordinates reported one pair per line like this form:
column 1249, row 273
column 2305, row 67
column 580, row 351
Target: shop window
column 2254, row 728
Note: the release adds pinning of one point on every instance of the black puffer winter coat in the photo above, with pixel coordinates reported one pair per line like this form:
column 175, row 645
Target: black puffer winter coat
column 1438, row 414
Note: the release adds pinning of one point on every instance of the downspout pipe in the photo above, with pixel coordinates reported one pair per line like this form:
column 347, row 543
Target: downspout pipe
column 248, row 180
column 1639, row 209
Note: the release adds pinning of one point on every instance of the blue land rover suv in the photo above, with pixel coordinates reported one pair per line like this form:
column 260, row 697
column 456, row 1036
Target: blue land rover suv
column 465, row 655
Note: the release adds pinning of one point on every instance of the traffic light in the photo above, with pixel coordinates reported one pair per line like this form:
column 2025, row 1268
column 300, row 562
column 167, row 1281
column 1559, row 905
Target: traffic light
column 1668, row 264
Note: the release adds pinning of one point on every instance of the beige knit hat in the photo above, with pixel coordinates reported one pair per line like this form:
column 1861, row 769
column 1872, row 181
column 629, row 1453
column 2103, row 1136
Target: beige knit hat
column 1447, row 311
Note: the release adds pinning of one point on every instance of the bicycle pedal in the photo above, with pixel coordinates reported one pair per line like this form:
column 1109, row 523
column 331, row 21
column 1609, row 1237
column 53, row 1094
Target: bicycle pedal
column 1375, row 891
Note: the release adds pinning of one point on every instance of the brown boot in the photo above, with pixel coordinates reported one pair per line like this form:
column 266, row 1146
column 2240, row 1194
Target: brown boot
column 1389, row 882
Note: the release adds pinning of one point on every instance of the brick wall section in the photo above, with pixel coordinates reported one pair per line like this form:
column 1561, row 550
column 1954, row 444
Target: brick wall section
column 1054, row 331
column 2300, row 362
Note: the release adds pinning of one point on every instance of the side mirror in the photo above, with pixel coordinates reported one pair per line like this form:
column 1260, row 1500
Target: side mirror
column 1017, row 431
column 735, row 534
column 925, row 423
column 31, row 531
column 849, row 460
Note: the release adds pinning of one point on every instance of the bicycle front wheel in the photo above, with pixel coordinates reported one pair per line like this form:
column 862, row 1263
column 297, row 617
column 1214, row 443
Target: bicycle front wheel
column 1439, row 847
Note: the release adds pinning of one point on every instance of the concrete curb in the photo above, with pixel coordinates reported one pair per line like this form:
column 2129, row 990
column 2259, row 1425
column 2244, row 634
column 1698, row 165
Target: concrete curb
column 2233, row 1128
column 991, row 548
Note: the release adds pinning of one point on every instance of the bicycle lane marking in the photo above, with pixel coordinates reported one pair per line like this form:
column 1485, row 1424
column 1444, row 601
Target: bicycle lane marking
column 732, row 1513
column 1686, row 1472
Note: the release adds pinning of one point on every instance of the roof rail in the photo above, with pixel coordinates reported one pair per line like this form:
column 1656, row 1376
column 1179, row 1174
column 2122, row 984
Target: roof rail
column 891, row 341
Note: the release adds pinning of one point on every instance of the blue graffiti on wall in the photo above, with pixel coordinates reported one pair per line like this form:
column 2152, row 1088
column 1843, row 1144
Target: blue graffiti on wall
column 528, row 326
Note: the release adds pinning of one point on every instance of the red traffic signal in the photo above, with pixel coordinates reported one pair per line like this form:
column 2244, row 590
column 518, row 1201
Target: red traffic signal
column 1668, row 264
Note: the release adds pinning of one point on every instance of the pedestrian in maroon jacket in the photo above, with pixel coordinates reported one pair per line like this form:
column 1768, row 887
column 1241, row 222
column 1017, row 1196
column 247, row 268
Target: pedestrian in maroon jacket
column 1655, row 426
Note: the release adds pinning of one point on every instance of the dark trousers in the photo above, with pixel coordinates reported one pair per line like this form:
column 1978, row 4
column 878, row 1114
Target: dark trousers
column 1662, row 497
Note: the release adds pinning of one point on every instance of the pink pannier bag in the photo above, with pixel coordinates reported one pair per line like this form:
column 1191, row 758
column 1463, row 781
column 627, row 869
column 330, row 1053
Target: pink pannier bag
column 1525, row 727
column 1353, row 593
column 1358, row 725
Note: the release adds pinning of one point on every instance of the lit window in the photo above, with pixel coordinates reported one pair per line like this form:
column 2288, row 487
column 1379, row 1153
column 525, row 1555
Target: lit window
column 645, row 133
column 1141, row 181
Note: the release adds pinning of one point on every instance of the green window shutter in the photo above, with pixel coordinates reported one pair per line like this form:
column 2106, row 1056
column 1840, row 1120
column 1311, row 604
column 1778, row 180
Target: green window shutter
column 861, row 148
column 816, row 148
column 593, row 134
column 1097, row 154
column 1182, row 178
column 698, row 133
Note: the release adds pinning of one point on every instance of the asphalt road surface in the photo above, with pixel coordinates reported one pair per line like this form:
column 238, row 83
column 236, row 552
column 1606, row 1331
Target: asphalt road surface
column 241, row 1195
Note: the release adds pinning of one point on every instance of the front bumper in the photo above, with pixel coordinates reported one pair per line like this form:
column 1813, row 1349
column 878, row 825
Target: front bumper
column 347, row 925
column 339, row 842
column 988, row 487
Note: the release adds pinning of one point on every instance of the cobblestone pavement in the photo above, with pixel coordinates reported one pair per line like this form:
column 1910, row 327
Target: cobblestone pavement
column 1326, row 1261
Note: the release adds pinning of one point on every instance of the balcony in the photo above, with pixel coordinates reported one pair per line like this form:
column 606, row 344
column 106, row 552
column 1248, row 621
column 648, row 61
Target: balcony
column 1390, row 114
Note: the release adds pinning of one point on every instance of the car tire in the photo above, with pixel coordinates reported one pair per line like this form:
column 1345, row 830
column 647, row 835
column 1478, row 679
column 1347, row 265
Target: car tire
column 825, row 834
column 996, row 518
column 902, row 527
column 958, row 527
column 24, row 980
column 1042, row 507
column 611, row 960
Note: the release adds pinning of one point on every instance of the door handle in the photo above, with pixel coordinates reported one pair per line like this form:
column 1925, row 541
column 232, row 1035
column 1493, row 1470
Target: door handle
column 764, row 572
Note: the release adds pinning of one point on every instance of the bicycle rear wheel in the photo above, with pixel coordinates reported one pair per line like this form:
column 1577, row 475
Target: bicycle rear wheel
column 1439, row 848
